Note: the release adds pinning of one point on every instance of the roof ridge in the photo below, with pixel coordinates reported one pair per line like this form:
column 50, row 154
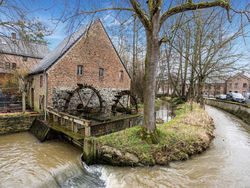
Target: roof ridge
column 19, row 39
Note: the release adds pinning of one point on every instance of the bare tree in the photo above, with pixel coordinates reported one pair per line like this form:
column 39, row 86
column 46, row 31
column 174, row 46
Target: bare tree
column 152, row 14
column 209, row 50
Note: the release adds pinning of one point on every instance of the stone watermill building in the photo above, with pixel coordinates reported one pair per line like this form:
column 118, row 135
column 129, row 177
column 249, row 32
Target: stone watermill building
column 86, row 58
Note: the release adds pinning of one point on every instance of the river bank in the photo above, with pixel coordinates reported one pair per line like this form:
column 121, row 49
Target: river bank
column 187, row 134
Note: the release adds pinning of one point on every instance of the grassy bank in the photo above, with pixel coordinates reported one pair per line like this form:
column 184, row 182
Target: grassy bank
column 158, row 102
column 187, row 134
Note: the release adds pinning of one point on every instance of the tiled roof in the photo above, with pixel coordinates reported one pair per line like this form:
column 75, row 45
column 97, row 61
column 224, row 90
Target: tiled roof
column 23, row 48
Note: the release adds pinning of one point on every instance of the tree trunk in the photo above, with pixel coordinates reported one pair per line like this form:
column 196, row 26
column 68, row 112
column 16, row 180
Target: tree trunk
column 200, row 92
column 151, row 61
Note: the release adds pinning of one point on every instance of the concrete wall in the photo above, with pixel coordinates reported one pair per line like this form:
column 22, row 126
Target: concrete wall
column 242, row 112
column 14, row 124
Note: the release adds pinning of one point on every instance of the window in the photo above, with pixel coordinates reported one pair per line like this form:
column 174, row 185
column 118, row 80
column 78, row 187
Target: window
column 235, row 91
column 13, row 65
column 121, row 75
column 236, row 85
column 7, row 65
column 238, row 78
column 41, row 81
column 101, row 70
column 230, row 85
column 1, row 65
column 244, row 85
column 25, row 58
column 79, row 69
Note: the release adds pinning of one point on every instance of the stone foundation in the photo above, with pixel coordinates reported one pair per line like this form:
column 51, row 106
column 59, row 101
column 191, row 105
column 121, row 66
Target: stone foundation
column 14, row 124
column 60, row 95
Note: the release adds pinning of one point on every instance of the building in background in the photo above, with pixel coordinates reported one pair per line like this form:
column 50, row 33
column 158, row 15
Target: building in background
column 239, row 83
column 214, row 87
column 18, row 56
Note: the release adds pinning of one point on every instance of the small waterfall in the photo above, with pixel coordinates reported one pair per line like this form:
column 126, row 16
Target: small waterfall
column 90, row 176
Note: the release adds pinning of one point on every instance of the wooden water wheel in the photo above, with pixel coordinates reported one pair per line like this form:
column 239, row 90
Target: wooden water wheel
column 125, row 102
column 86, row 99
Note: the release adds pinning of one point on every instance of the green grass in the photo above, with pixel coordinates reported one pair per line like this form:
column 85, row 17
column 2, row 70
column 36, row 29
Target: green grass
column 140, row 105
column 177, row 139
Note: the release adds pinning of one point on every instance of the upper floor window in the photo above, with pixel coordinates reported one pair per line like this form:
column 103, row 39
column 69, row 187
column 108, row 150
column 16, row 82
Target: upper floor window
column 121, row 75
column 230, row 85
column 236, row 85
column 7, row 65
column 79, row 69
column 25, row 58
column 244, row 85
column 13, row 65
column 101, row 72
column 238, row 78
column 41, row 81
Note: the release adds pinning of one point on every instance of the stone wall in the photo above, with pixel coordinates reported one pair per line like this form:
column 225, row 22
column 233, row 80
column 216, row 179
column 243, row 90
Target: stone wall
column 241, row 111
column 14, row 124
column 60, row 95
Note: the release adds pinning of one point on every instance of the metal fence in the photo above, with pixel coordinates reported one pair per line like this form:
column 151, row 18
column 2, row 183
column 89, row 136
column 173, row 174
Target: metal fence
column 10, row 100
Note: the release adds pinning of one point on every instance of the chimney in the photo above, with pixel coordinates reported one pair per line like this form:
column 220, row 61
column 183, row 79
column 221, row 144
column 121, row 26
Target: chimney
column 13, row 35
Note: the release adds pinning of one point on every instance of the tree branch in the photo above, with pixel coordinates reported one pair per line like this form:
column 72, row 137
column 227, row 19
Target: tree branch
column 141, row 14
column 105, row 9
column 193, row 6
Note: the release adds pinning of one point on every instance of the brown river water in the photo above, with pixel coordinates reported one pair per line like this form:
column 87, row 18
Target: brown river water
column 25, row 162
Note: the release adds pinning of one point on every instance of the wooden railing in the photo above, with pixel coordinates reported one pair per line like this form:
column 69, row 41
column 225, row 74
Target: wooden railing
column 75, row 123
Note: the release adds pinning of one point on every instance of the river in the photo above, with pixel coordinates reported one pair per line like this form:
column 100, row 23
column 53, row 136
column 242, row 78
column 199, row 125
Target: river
column 25, row 162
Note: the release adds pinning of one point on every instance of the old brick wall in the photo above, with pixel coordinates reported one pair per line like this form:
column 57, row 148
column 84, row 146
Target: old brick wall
column 214, row 89
column 21, row 65
column 16, row 124
column 93, row 51
column 235, row 84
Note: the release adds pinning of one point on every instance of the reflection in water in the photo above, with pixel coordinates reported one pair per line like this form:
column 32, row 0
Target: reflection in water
column 225, row 164
column 165, row 112
column 25, row 162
